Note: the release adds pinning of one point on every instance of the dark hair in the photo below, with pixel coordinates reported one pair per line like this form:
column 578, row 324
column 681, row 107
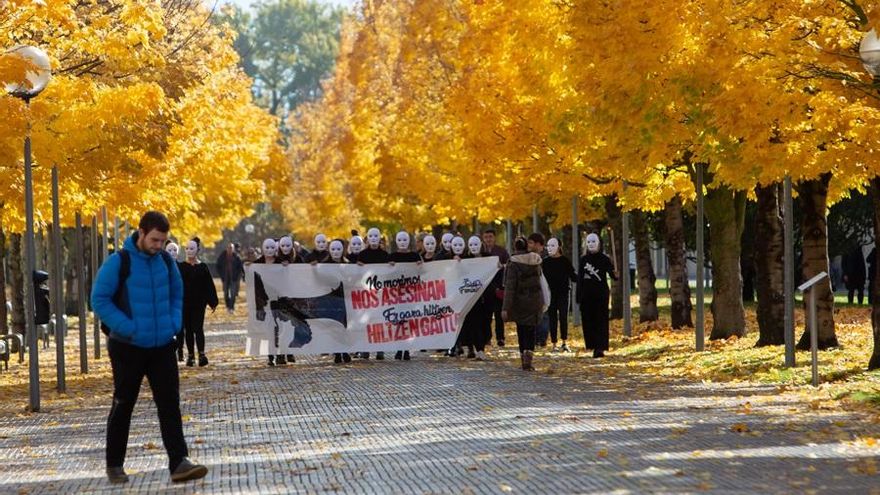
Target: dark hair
column 198, row 242
column 154, row 220
column 519, row 244
column 489, row 231
column 354, row 232
column 537, row 238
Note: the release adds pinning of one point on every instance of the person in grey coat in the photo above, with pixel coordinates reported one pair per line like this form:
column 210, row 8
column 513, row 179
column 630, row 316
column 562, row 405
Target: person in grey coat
column 523, row 298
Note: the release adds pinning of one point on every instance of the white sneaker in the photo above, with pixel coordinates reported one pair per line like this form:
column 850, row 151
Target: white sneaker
column 554, row 349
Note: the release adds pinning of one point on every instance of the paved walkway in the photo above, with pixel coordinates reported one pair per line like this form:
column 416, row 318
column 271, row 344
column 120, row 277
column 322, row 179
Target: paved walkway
column 435, row 425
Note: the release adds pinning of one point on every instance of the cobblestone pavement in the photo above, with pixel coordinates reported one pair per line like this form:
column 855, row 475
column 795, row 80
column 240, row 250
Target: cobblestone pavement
column 437, row 425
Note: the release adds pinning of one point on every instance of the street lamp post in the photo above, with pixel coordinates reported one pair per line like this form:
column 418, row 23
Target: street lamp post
column 37, row 77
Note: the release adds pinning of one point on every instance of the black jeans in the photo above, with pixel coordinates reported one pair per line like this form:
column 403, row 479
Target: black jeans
column 558, row 312
column 194, row 328
column 130, row 364
column 525, row 334
column 230, row 292
column 499, row 322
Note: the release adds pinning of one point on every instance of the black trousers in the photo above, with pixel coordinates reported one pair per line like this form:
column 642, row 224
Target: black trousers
column 130, row 364
column 594, row 318
column 525, row 334
column 499, row 323
column 194, row 329
column 558, row 312
column 230, row 292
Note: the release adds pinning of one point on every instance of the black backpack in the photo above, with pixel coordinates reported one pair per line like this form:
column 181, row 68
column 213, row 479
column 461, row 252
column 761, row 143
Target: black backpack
column 120, row 298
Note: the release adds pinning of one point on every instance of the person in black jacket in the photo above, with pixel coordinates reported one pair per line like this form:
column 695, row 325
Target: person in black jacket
column 198, row 293
column 269, row 257
column 373, row 254
column 559, row 273
column 403, row 255
column 593, row 295
column 231, row 271
column 476, row 330
column 854, row 273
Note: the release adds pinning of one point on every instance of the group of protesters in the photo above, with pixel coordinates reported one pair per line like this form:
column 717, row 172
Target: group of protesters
column 530, row 289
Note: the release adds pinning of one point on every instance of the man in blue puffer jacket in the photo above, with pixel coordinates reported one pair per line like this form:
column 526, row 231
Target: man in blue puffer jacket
column 143, row 316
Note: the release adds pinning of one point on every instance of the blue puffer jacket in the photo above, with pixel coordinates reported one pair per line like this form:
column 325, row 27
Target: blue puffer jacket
column 155, row 298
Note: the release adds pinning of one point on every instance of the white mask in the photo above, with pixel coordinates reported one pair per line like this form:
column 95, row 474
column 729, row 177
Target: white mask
column 285, row 245
column 474, row 245
column 457, row 245
column 373, row 237
column 269, row 248
column 402, row 241
column 446, row 240
column 336, row 250
column 553, row 246
column 320, row 242
column 356, row 245
column 430, row 243
column 593, row 243
column 192, row 249
column 172, row 249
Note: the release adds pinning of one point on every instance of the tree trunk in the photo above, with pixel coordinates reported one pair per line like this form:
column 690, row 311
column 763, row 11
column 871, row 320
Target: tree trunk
column 679, row 288
column 647, row 279
column 874, row 362
column 814, row 229
column 4, row 315
column 770, row 276
column 615, row 221
column 725, row 210
column 16, row 270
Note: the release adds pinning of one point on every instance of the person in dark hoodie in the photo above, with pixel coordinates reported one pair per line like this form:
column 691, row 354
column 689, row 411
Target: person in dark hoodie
column 524, row 298
column 373, row 254
column 559, row 273
column 593, row 294
column 198, row 293
column 144, row 312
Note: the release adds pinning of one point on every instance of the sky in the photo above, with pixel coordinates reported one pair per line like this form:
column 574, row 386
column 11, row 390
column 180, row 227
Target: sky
column 247, row 3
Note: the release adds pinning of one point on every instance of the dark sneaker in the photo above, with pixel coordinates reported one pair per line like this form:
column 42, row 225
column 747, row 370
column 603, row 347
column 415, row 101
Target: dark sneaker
column 117, row 475
column 271, row 360
column 346, row 357
column 280, row 359
column 187, row 470
column 291, row 358
column 564, row 348
column 598, row 354
column 406, row 355
column 380, row 356
column 203, row 360
column 179, row 357
column 190, row 361
column 337, row 358
column 500, row 343
column 471, row 354
column 399, row 355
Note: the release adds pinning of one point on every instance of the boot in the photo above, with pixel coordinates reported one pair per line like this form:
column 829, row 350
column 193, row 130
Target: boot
column 203, row 359
column 471, row 354
column 346, row 357
column 406, row 355
column 527, row 361
column 399, row 355
column 280, row 359
column 190, row 361
column 337, row 358
column 380, row 355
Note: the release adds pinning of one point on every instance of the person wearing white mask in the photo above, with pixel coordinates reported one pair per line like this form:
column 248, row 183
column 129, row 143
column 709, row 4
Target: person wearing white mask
column 173, row 250
column 592, row 294
column 337, row 255
column 477, row 326
column 429, row 248
column 198, row 293
column 355, row 246
column 403, row 254
column 269, row 257
column 320, row 253
column 373, row 254
column 560, row 274
column 287, row 252
column 444, row 251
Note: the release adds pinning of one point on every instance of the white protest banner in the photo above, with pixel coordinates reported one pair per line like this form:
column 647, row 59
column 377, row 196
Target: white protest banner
column 326, row 308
